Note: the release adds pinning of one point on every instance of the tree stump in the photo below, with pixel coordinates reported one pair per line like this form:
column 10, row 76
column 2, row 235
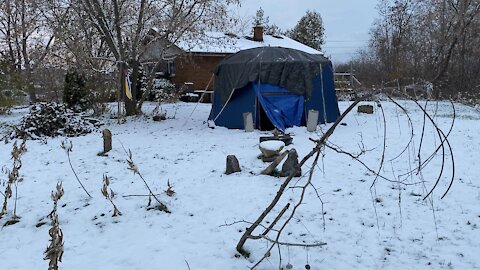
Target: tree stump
column 159, row 117
column 232, row 165
column 365, row 109
column 290, row 165
column 107, row 140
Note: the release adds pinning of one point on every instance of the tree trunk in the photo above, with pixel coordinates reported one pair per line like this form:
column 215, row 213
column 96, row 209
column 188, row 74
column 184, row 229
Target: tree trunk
column 121, row 90
column 130, row 105
column 30, row 86
column 26, row 57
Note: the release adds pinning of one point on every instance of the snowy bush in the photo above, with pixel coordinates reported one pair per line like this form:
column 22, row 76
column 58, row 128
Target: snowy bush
column 163, row 90
column 51, row 120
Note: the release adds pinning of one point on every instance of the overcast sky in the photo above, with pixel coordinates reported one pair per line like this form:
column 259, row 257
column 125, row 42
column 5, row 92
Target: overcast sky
column 347, row 22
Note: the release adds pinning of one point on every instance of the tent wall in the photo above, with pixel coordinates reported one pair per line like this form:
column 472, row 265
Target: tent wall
column 324, row 99
column 242, row 100
column 282, row 107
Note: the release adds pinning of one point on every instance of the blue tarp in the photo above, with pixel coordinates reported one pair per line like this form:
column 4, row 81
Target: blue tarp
column 283, row 108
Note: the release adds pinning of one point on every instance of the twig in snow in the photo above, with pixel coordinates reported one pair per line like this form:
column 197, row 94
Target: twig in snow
column 139, row 195
column 188, row 265
column 133, row 167
column 68, row 146
column 293, row 244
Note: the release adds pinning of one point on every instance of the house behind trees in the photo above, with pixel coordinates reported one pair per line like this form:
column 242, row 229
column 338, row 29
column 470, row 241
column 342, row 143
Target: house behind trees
column 192, row 62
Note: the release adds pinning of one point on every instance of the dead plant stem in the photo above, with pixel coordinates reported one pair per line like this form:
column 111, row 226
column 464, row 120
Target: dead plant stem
column 76, row 176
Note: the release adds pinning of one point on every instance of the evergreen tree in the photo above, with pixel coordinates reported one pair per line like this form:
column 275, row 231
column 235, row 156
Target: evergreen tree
column 261, row 20
column 141, row 82
column 75, row 94
column 309, row 30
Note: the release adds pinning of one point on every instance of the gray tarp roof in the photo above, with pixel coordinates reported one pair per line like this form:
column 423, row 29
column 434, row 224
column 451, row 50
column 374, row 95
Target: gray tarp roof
column 287, row 68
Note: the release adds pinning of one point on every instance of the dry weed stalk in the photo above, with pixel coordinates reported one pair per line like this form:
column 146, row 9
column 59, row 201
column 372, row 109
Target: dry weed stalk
column 13, row 177
column 54, row 251
column 68, row 147
column 169, row 191
column 110, row 195
column 133, row 167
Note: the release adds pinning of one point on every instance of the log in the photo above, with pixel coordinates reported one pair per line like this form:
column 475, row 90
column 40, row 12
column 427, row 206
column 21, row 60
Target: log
column 269, row 170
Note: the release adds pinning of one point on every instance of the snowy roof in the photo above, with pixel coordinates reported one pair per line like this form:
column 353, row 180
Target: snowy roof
column 217, row 42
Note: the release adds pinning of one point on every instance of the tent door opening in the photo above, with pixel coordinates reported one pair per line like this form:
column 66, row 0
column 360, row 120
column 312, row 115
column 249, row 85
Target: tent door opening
column 277, row 107
column 264, row 123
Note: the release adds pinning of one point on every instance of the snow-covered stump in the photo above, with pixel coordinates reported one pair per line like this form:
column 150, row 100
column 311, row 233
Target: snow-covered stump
column 271, row 148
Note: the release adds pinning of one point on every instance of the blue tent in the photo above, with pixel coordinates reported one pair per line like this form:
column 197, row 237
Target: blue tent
column 278, row 86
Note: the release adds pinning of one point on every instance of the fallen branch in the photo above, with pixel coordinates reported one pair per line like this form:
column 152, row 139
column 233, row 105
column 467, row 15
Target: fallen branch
column 293, row 244
column 316, row 152
column 316, row 149
column 276, row 219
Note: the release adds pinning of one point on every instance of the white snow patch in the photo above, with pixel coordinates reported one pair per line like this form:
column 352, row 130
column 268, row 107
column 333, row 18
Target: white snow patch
column 217, row 42
column 272, row 145
column 364, row 228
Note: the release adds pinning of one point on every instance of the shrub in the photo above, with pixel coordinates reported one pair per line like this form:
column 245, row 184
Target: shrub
column 5, row 104
column 162, row 90
column 141, row 83
column 9, row 98
column 75, row 94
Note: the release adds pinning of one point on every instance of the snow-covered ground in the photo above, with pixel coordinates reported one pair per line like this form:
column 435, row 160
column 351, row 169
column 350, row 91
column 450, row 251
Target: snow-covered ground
column 364, row 228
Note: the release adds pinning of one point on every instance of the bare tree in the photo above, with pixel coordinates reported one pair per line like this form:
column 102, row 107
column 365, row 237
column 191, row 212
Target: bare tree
column 433, row 41
column 123, row 26
column 463, row 14
column 27, row 34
